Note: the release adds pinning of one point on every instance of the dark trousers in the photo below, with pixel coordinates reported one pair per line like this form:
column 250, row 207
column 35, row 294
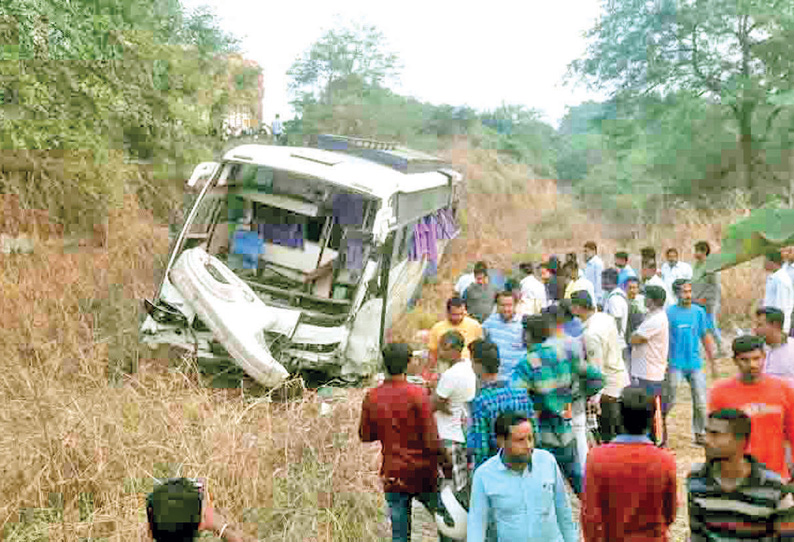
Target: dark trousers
column 655, row 390
column 609, row 423
column 400, row 512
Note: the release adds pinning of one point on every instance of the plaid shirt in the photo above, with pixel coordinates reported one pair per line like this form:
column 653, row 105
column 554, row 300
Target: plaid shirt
column 493, row 399
column 549, row 373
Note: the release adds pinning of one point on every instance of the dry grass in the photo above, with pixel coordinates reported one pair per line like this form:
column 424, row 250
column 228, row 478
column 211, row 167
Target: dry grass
column 74, row 428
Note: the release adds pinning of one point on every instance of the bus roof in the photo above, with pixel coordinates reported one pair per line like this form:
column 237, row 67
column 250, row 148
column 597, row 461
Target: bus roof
column 344, row 170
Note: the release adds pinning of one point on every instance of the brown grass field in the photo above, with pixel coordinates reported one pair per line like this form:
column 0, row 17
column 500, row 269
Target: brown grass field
column 89, row 415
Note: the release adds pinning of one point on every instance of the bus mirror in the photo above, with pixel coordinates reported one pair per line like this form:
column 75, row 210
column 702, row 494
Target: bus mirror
column 204, row 171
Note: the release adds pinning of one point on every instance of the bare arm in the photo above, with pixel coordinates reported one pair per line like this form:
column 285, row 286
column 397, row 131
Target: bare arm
column 637, row 339
column 441, row 404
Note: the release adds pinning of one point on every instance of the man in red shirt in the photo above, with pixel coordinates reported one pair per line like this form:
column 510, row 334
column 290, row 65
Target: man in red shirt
column 630, row 484
column 766, row 399
column 399, row 415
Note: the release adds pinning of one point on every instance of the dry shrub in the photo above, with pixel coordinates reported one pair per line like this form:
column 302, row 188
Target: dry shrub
column 79, row 443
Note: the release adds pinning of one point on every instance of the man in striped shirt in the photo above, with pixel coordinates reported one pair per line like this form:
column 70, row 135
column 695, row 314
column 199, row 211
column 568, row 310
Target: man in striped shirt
column 504, row 329
column 733, row 496
column 548, row 372
column 493, row 398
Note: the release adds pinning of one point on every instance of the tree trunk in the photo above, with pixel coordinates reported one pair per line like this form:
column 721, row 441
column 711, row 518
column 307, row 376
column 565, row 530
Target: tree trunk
column 744, row 117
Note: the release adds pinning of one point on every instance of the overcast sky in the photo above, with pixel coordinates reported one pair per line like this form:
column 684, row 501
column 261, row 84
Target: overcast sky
column 515, row 51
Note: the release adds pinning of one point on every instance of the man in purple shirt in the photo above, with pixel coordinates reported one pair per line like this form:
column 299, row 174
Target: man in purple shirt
column 780, row 355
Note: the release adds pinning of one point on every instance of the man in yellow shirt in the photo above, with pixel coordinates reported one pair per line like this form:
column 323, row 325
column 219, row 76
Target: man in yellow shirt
column 574, row 282
column 456, row 320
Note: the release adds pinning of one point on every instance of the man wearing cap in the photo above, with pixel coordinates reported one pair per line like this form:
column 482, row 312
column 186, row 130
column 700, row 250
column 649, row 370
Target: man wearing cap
column 767, row 400
column 603, row 351
column 650, row 345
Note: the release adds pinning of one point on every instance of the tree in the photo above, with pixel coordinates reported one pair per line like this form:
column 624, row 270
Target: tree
column 91, row 88
column 736, row 55
column 347, row 56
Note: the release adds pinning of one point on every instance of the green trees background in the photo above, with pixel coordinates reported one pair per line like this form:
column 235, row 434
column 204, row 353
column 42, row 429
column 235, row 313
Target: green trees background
column 99, row 98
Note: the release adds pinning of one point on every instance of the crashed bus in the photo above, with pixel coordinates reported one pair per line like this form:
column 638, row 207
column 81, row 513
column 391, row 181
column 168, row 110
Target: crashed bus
column 297, row 259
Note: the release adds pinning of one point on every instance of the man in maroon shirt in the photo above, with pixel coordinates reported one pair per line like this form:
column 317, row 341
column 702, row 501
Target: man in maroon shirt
column 400, row 416
column 630, row 484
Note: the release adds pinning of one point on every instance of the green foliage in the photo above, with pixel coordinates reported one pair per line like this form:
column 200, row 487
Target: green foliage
column 88, row 82
column 730, row 64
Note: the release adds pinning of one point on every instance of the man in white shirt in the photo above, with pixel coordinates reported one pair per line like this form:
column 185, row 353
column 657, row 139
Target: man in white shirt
column 456, row 387
column 672, row 270
column 465, row 280
column 788, row 256
column 649, row 353
column 603, row 351
column 594, row 266
column 616, row 305
column 650, row 277
column 779, row 288
column 533, row 292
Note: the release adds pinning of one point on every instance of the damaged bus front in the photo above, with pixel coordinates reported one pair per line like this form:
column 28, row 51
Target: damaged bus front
column 287, row 258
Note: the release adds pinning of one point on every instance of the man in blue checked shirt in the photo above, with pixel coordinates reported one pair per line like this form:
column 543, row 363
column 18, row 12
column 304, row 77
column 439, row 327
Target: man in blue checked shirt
column 493, row 398
column 504, row 328
column 521, row 488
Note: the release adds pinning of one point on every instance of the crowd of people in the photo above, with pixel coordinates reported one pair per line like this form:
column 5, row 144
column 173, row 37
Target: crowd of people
column 567, row 376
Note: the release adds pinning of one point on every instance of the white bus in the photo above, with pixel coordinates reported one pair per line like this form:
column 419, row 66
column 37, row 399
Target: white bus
column 284, row 261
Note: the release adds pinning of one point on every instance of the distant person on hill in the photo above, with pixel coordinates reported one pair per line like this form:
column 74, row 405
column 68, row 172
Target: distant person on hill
column 779, row 288
column 779, row 359
column 480, row 296
column 674, row 269
column 630, row 489
column 533, row 292
column 707, row 290
column 594, row 266
column 766, row 399
column 456, row 320
column 178, row 509
column 277, row 129
column 624, row 269
column 734, row 496
column 504, row 329
column 400, row 416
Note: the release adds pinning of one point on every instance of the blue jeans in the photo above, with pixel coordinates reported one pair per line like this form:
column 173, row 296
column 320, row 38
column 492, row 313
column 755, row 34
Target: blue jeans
column 697, row 384
column 717, row 332
column 400, row 512
column 568, row 460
